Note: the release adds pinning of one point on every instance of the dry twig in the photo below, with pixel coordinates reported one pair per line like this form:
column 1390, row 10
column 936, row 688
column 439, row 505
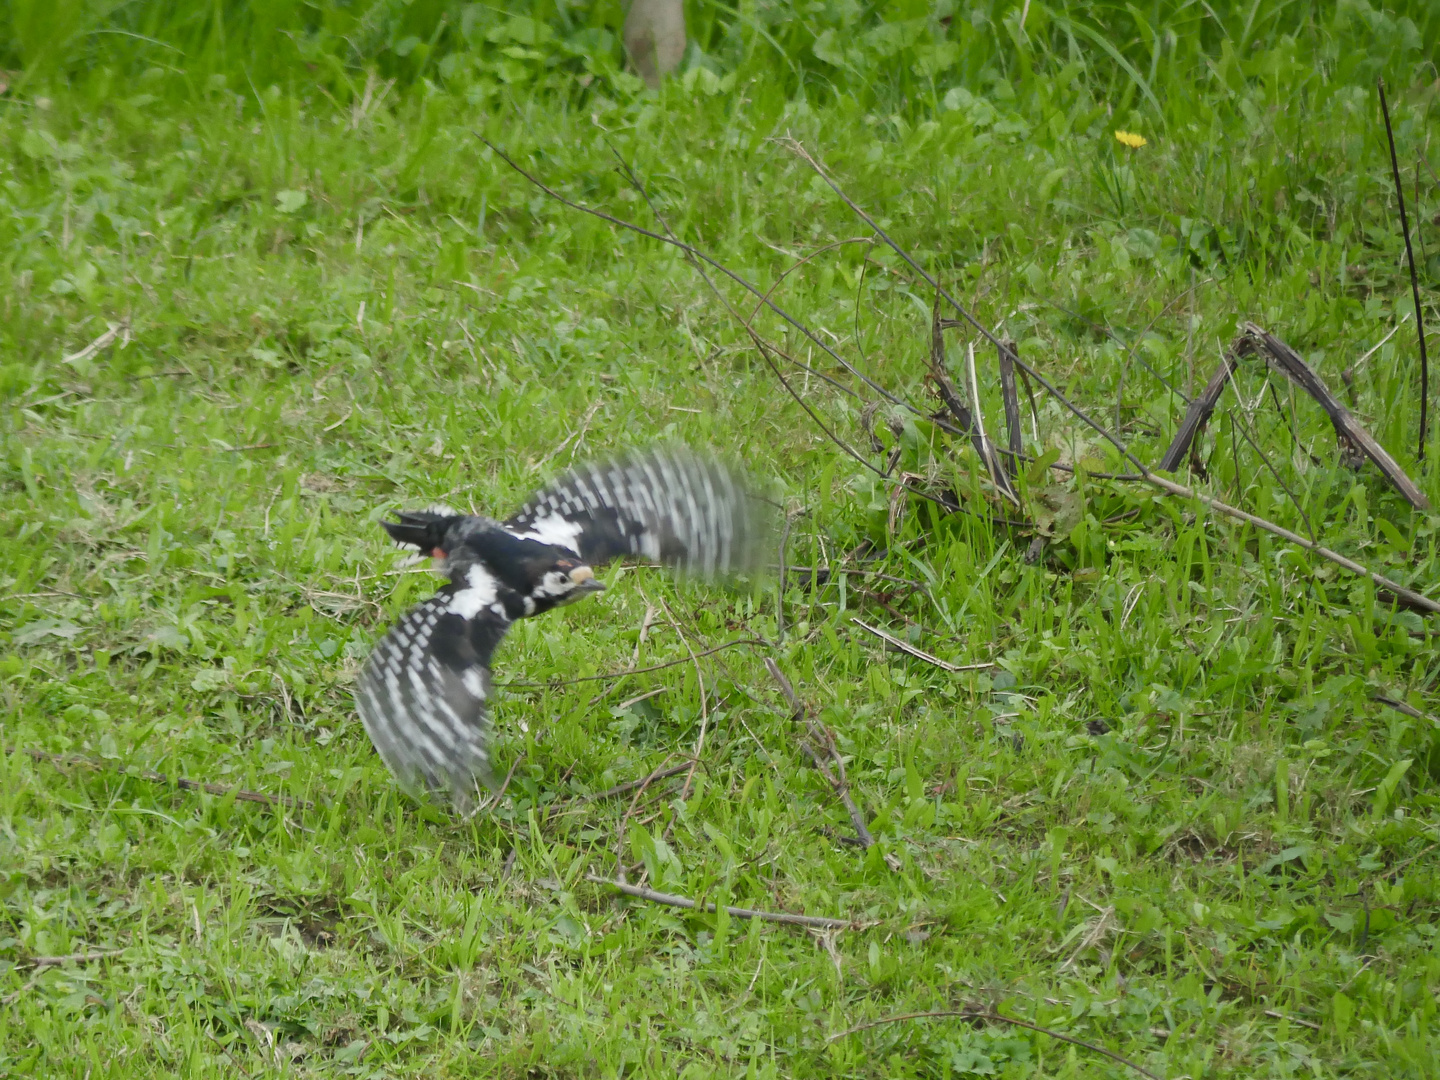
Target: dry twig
column 919, row 654
column 241, row 794
column 631, row 785
column 1355, row 442
column 671, row 900
column 820, row 736
column 1414, row 281
column 1275, row 1014
column 999, row 1018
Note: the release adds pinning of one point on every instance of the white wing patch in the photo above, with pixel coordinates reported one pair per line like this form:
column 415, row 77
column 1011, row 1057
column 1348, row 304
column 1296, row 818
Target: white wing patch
column 479, row 591
column 556, row 530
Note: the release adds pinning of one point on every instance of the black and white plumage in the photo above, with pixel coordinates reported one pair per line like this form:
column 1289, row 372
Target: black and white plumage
column 422, row 694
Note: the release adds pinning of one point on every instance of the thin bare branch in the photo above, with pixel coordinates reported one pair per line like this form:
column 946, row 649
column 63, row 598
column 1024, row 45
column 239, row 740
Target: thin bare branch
column 998, row 476
column 704, row 706
column 72, row 958
column 631, row 785
column 1010, row 396
column 1407, row 597
column 919, row 654
column 998, row 1018
column 696, row 254
column 1356, row 443
column 1414, row 281
column 671, row 900
column 1198, row 413
column 819, row 735
column 241, row 794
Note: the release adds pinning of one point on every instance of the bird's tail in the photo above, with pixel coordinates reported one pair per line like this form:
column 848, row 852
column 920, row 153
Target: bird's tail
column 423, row 529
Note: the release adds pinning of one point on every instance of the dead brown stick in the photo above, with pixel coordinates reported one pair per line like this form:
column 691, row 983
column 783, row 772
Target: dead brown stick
column 494, row 800
column 1407, row 597
column 1275, row 1014
column 624, row 826
column 698, row 259
column 631, row 785
column 1010, row 394
column 1355, row 442
column 40, row 963
column 969, row 420
column 1414, row 281
column 241, row 794
column 820, row 736
column 919, row 654
column 1402, row 707
column 72, row 958
column 1198, row 414
column 999, row 476
column 999, row 1018
column 1348, row 375
column 671, row 900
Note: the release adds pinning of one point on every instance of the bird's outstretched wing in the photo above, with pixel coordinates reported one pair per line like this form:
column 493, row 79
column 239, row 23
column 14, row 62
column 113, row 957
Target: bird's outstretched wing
column 669, row 504
column 422, row 697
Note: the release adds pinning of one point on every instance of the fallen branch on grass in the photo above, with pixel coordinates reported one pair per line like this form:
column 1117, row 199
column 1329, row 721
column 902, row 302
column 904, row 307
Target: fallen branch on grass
column 671, row 900
column 1408, row 597
column 1408, row 710
column 819, row 735
column 241, row 794
column 919, row 654
column 631, row 785
column 1010, row 396
column 1275, row 1014
column 1197, row 415
column 1356, row 443
column 71, row 958
column 998, row 1018
column 1414, row 281
column 767, row 351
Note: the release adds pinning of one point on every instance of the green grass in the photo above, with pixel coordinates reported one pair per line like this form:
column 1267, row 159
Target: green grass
column 1173, row 820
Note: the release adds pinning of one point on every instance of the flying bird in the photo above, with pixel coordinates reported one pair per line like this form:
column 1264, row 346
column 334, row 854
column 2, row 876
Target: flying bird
column 422, row 694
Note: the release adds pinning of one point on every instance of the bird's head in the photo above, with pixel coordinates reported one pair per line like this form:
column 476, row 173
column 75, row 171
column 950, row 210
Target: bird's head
column 492, row 565
column 560, row 581
column 529, row 577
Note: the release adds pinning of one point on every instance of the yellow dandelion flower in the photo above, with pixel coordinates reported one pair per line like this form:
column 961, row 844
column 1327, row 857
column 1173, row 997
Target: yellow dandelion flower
column 1130, row 139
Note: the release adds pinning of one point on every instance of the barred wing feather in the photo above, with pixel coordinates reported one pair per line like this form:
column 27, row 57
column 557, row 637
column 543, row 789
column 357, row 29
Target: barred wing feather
column 422, row 698
column 668, row 505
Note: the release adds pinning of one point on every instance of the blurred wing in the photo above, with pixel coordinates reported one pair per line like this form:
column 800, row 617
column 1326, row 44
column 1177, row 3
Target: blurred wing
column 669, row 505
column 422, row 697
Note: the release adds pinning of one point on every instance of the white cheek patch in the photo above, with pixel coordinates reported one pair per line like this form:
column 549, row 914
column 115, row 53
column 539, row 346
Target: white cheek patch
column 556, row 531
column 480, row 590
column 554, row 583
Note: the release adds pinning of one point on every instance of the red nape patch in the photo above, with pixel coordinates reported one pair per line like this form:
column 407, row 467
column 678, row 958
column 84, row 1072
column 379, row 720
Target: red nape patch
column 437, row 554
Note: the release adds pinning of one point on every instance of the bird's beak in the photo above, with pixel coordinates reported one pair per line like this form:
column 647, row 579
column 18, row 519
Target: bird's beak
column 586, row 579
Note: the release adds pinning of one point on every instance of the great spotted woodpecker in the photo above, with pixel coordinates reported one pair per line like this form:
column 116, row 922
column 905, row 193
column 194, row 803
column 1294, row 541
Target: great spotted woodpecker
column 422, row 694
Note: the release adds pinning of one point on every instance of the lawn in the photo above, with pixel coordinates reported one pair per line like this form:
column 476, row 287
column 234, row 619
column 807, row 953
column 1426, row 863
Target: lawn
column 264, row 283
